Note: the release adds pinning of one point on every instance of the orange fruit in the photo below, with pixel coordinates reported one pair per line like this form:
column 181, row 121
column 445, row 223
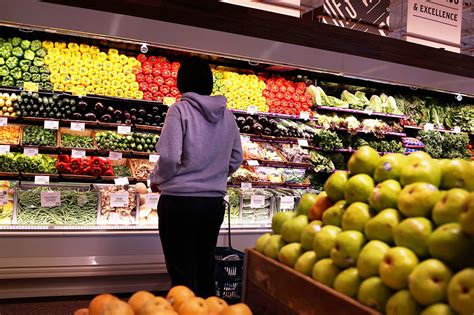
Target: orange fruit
column 178, row 295
column 82, row 311
column 194, row 306
column 117, row 307
column 236, row 309
column 156, row 305
column 215, row 304
column 138, row 299
column 96, row 306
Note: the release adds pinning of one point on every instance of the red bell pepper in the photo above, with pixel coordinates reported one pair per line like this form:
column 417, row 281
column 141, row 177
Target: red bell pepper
column 140, row 78
column 76, row 163
column 109, row 172
column 153, row 88
column 166, row 73
column 64, row 158
column 152, row 59
column 96, row 162
column 170, row 82
column 143, row 86
column 164, row 89
column 149, row 79
column 63, row 167
column 156, row 72
column 147, row 96
column 158, row 80
column 95, row 171
column 141, row 58
column 85, row 168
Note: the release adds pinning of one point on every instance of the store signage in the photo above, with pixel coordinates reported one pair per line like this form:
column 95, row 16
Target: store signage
column 115, row 156
column 252, row 109
column 30, row 86
column 303, row 143
column 4, row 149
column 119, row 200
column 253, row 163
column 50, row 199
column 244, row 139
column 154, row 158
column 257, row 201
column 41, row 180
column 151, row 200
column 51, row 124
column 304, row 115
column 77, row 153
column 3, row 197
column 246, row 185
column 3, row 121
column 30, row 151
column 435, row 23
column 287, row 203
column 428, row 127
column 78, row 126
column 168, row 101
column 124, row 130
column 457, row 129
column 122, row 181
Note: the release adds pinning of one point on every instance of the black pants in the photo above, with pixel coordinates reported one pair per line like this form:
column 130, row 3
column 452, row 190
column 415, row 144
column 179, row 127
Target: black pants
column 189, row 227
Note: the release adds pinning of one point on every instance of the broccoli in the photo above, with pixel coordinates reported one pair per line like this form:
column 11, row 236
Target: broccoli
column 12, row 62
column 16, row 41
column 29, row 55
column 35, row 45
column 17, row 52
column 25, row 44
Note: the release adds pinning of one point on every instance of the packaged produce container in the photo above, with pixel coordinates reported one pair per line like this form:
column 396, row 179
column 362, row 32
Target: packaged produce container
column 118, row 204
column 256, row 206
column 285, row 199
column 8, row 200
column 234, row 199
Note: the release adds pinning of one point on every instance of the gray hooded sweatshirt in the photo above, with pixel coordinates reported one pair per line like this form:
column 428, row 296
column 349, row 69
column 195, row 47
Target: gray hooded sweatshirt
column 199, row 148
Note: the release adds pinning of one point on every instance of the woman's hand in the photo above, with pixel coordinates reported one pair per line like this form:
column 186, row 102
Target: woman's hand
column 154, row 187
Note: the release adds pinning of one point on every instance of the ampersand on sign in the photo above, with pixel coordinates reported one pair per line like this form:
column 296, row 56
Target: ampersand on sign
column 415, row 7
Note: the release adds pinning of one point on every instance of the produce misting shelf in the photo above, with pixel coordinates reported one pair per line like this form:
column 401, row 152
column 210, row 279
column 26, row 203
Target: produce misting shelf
column 359, row 112
column 342, row 150
column 435, row 129
column 270, row 185
column 279, row 164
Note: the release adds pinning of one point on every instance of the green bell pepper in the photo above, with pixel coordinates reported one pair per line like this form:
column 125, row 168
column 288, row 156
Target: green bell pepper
column 16, row 73
column 25, row 44
column 38, row 61
column 4, row 71
column 16, row 41
column 35, row 45
column 48, row 86
column 41, row 52
column 17, row 52
column 34, row 69
column 8, row 81
column 29, row 55
column 44, row 77
column 2, row 61
column 44, row 69
column 25, row 65
column 36, row 77
column 12, row 62
column 5, row 52
column 26, row 76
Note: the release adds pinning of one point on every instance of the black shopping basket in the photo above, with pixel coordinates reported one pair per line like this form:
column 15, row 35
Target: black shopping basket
column 229, row 270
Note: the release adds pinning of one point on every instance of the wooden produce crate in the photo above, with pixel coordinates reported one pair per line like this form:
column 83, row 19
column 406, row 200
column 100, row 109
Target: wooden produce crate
column 141, row 164
column 10, row 127
column 83, row 133
column 275, row 289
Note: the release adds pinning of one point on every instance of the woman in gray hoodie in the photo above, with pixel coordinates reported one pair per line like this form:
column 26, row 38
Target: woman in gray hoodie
column 199, row 148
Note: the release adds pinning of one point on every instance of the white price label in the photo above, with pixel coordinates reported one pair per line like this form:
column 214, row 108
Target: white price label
column 41, row 180
column 287, row 203
column 78, row 126
column 303, row 143
column 428, row 126
column 252, row 109
column 244, row 139
column 457, row 129
column 115, row 156
column 119, row 200
column 304, row 115
column 3, row 197
column 77, row 153
column 124, row 130
column 257, row 201
column 246, row 185
column 369, row 111
column 30, row 151
column 4, row 149
column 226, row 198
column 51, row 124
column 50, row 199
column 151, row 200
column 121, row 181
column 154, row 158
column 3, row 121
column 253, row 163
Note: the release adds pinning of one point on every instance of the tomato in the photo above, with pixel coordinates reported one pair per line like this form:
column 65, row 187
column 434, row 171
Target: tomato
column 140, row 78
column 158, row 80
column 279, row 95
column 141, row 58
column 156, row 72
column 164, row 89
column 170, row 82
column 149, row 79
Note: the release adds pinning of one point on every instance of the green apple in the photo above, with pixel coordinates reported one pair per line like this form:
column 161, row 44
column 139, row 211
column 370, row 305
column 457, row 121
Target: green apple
column 466, row 217
column 356, row 217
column 457, row 173
column 402, row 303
column 335, row 185
column 382, row 225
column 323, row 202
column 373, row 293
column 279, row 218
column 449, row 244
column 417, row 156
column 333, row 215
column 305, row 263
column 428, row 282
column 348, row 282
column 448, row 208
column 347, row 247
column 358, row 188
column 290, row 253
column 413, row 233
column 461, row 292
column 324, row 240
column 395, row 267
column 307, row 236
column 307, row 201
column 325, row 271
column 438, row 309
column 418, row 199
column 261, row 241
column 363, row 161
column 370, row 258
column 273, row 246
column 389, row 167
column 426, row 171
column 292, row 228
column 385, row 195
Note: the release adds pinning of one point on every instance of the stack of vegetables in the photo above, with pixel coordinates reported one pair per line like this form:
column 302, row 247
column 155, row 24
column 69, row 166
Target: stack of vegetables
column 34, row 105
column 6, row 208
column 7, row 102
column 285, row 97
column 85, row 69
column 157, row 78
column 445, row 145
column 141, row 142
column 37, row 135
column 277, row 127
column 18, row 162
column 92, row 166
column 241, row 90
column 10, row 134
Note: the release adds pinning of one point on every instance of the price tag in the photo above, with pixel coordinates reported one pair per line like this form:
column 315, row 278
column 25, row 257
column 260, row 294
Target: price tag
column 51, row 124
column 257, row 201
column 30, row 86
column 3, row 121
column 119, row 200
column 154, row 158
column 50, row 199
column 244, row 139
column 4, row 149
column 124, row 130
column 30, row 151
column 369, row 111
column 253, row 163
column 226, row 198
column 304, row 115
column 3, row 197
column 457, row 129
column 41, row 180
column 151, row 200
column 303, row 143
column 77, row 153
column 115, row 156
column 121, row 181
column 246, row 185
column 287, row 203
column 252, row 109
column 78, row 126
column 168, row 101
column 428, row 126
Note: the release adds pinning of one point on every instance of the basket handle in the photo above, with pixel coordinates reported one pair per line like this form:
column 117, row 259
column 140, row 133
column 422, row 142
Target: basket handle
column 227, row 205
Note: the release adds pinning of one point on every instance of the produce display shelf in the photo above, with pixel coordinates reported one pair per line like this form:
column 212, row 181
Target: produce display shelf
column 343, row 150
column 361, row 131
column 408, row 146
column 281, row 164
column 434, row 129
column 276, row 115
column 271, row 139
column 359, row 112
column 270, row 185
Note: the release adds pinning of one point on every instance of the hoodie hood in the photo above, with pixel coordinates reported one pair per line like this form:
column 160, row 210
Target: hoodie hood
column 211, row 107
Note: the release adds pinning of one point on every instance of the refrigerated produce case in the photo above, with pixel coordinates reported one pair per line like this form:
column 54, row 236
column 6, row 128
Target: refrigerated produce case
column 119, row 251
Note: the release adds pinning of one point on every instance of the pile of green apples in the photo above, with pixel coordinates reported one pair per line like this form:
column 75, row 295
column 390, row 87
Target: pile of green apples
column 395, row 232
